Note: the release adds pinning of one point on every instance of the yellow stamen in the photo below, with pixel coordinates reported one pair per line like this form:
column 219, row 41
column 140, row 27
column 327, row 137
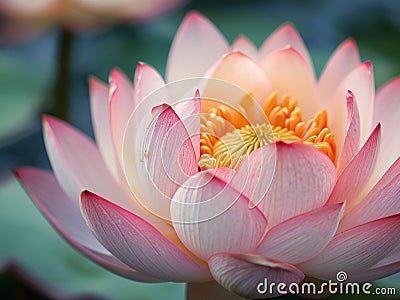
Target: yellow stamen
column 232, row 148
column 222, row 145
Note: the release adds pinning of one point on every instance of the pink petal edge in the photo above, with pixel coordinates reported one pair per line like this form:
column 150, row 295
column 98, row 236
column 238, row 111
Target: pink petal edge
column 137, row 243
column 300, row 238
column 382, row 201
column 355, row 250
column 244, row 45
column 300, row 174
column 121, row 103
column 351, row 182
column 198, row 44
column 64, row 215
column 351, row 142
column 289, row 74
column 345, row 59
column 244, row 274
column 286, row 35
column 205, row 204
column 169, row 160
column 99, row 107
column 386, row 111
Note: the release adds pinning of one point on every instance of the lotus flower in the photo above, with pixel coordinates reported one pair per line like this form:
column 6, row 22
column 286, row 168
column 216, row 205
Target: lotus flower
column 33, row 16
column 241, row 166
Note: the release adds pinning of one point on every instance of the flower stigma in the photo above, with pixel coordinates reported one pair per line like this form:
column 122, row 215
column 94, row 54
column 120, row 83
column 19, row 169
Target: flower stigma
column 225, row 142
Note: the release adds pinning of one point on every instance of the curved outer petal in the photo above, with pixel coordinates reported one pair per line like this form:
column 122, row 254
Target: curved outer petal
column 382, row 201
column 78, row 165
column 67, row 219
column 351, row 142
column 210, row 216
column 302, row 237
column 249, row 275
column 285, row 180
column 355, row 250
column 137, row 127
column 121, row 108
column 341, row 63
column 99, row 106
column 284, row 36
column 392, row 257
column 147, row 81
column 169, row 160
column 361, row 82
column 225, row 174
column 189, row 111
column 289, row 74
column 356, row 174
column 150, row 91
column 137, row 243
column 238, row 77
column 198, row 44
column 386, row 111
column 210, row 291
column 244, row 45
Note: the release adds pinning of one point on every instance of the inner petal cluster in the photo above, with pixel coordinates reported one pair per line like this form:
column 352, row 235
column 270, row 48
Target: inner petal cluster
column 225, row 143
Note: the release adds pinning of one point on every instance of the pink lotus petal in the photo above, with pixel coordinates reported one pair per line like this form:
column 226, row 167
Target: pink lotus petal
column 392, row 257
column 210, row 291
column 138, row 131
column 137, row 243
column 289, row 74
column 66, row 218
column 78, row 164
column 341, row 63
column 245, row 274
column 197, row 45
column 169, row 160
column 225, row 174
column 351, row 180
column 206, row 208
column 361, row 82
column 244, row 45
column 150, row 91
column 237, row 77
column 189, row 111
column 351, row 142
column 302, row 237
column 355, row 250
column 100, row 118
column 285, row 180
column 382, row 201
column 376, row 273
column 285, row 36
column 121, row 108
column 386, row 111
column 147, row 81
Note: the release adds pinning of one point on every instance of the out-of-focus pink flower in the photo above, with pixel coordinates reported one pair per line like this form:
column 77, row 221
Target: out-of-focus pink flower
column 79, row 14
column 258, row 171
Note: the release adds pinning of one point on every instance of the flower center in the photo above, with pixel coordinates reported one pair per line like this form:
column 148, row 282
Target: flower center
column 225, row 144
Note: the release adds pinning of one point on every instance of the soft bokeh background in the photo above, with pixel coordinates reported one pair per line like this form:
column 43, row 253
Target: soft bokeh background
column 28, row 73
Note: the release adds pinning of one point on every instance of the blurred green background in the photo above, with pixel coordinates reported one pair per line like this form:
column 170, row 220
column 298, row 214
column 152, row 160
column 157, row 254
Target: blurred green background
column 28, row 72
